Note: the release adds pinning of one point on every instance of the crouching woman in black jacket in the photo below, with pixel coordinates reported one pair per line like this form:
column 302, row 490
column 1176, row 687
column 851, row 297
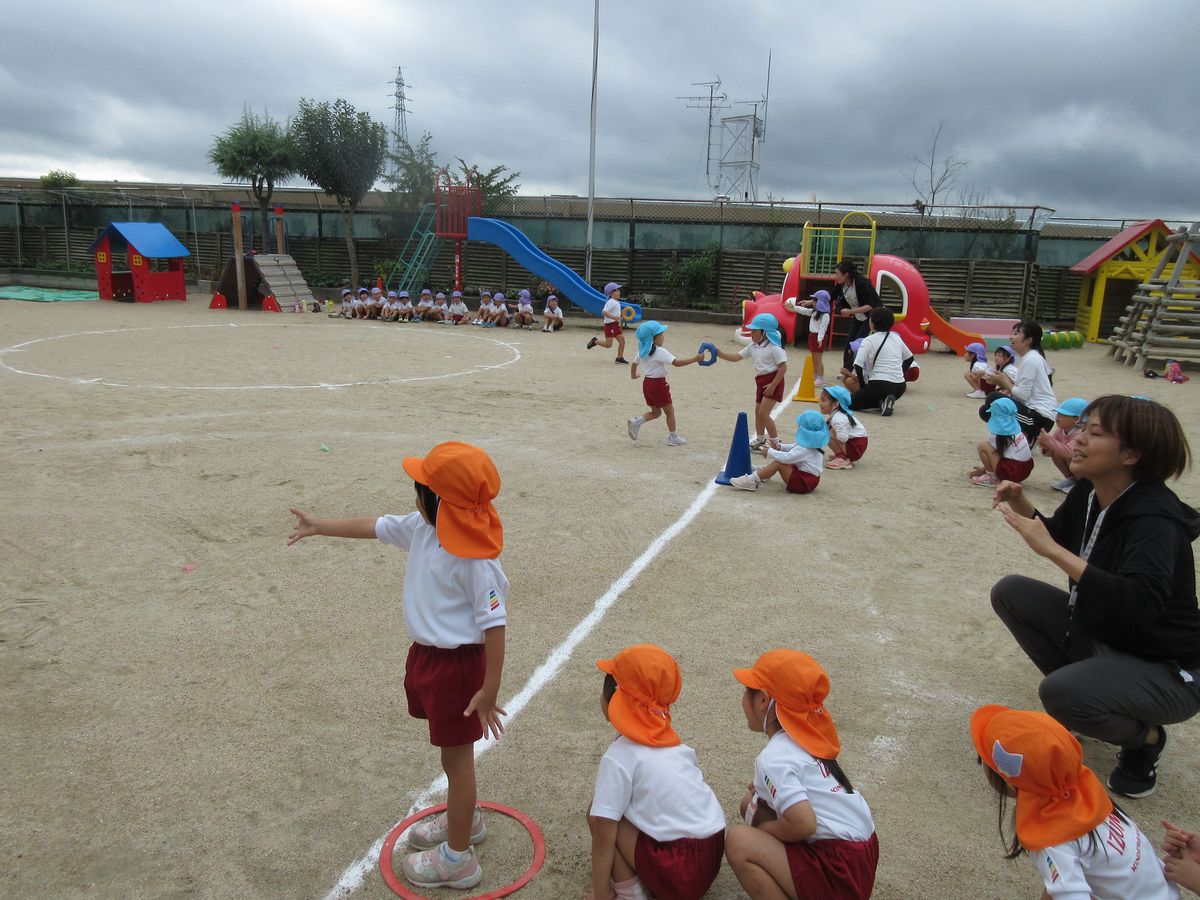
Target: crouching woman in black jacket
column 1121, row 649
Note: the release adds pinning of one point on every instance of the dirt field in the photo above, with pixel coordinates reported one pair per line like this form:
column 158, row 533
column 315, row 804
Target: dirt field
column 238, row 729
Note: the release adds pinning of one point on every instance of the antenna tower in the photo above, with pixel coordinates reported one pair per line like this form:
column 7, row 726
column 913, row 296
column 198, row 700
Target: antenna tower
column 741, row 137
column 400, row 107
column 714, row 101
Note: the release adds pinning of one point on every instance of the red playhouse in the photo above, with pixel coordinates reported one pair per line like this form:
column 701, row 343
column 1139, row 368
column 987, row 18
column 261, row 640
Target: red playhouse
column 142, row 279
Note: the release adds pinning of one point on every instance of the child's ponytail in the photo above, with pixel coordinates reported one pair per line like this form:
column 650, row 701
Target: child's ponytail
column 834, row 769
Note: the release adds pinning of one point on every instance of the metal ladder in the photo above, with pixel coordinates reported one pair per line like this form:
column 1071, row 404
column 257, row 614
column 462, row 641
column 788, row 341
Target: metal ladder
column 416, row 258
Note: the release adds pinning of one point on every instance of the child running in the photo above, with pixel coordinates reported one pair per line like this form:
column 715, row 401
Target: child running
column 820, row 335
column 655, row 822
column 654, row 358
column 1079, row 841
column 454, row 610
column 977, row 369
column 799, row 464
column 612, row 323
column 552, row 315
column 847, row 435
column 1005, row 455
column 807, row 832
column 770, row 371
column 1059, row 444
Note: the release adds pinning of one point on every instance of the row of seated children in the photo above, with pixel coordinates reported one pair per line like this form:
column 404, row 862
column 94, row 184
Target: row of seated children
column 493, row 311
column 1005, row 455
column 658, row 828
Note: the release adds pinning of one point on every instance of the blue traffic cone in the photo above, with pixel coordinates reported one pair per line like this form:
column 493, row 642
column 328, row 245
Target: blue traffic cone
column 739, row 452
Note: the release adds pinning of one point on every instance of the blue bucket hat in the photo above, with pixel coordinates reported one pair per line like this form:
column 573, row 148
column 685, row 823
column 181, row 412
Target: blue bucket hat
column 1002, row 419
column 840, row 396
column 646, row 333
column 811, row 430
column 769, row 325
column 822, row 298
column 1073, row 407
column 978, row 349
column 610, row 287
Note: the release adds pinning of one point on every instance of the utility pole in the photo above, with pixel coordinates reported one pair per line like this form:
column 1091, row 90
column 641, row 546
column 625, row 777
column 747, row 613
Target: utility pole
column 587, row 260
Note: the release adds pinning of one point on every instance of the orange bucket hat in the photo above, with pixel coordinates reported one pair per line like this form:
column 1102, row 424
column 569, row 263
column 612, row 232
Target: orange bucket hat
column 648, row 682
column 465, row 480
column 1058, row 798
column 799, row 686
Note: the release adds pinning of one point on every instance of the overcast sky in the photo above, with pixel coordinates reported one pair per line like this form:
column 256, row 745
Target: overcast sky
column 1088, row 107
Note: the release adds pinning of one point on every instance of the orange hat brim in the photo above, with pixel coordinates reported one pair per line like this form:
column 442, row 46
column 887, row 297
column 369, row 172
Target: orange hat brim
column 415, row 467
column 748, row 678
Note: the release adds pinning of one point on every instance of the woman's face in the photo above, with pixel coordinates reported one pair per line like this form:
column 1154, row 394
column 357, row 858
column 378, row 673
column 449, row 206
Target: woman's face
column 1099, row 454
column 1021, row 343
column 840, row 277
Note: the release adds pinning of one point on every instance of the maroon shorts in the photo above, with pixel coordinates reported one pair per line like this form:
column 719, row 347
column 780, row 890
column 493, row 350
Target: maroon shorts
column 838, row 870
column 657, row 392
column 439, row 684
column 612, row 329
column 682, row 869
column 801, row 482
column 855, row 448
column 556, row 323
column 1013, row 470
column 761, row 381
column 457, row 317
column 815, row 346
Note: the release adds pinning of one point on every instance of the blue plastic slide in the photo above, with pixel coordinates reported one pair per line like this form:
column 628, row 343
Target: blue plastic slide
column 513, row 242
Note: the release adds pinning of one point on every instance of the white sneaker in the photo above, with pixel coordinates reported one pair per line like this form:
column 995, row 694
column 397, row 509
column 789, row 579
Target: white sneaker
column 976, row 395
column 759, row 442
column 745, row 483
column 674, row 440
column 633, row 426
column 431, row 832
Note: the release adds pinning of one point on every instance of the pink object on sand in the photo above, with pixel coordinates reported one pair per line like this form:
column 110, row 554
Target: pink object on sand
column 189, row 568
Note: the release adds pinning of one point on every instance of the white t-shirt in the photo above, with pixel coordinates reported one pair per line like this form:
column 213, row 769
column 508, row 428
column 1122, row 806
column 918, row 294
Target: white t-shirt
column 458, row 308
column 555, row 312
column 766, row 357
column 655, row 365
column 525, row 305
column 889, row 366
column 612, row 310
column 448, row 600
column 806, row 459
column 404, row 304
column 821, row 323
column 839, row 424
column 486, row 307
column 1122, row 865
column 424, row 303
column 979, row 368
column 785, row 774
column 659, row 789
column 347, row 300
column 1017, row 449
column 1032, row 384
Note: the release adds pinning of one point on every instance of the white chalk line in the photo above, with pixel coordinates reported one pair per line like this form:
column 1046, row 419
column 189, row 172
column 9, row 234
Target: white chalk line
column 511, row 347
column 354, row 874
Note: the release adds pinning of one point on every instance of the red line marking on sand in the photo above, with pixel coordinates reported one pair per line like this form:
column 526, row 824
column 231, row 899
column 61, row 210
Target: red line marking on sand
column 398, row 887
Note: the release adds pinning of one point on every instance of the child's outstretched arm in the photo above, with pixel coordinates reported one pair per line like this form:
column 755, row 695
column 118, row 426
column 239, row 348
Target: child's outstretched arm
column 308, row 525
column 483, row 703
column 729, row 357
column 688, row 360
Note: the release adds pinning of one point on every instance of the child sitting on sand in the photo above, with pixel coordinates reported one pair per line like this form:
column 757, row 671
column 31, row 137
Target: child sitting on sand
column 799, row 464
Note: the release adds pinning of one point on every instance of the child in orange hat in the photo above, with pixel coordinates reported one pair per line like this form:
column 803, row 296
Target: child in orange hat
column 454, row 609
column 654, row 820
column 1081, row 843
column 808, row 833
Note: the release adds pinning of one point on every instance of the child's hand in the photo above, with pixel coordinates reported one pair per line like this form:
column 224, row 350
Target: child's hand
column 976, row 472
column 1006, row 492
column 306, row 526
column 763, row 450
column 1179, row 843
column 484, row 705
column 633, row 373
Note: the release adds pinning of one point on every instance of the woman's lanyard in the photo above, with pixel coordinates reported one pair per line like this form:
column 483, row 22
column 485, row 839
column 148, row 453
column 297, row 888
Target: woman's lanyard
column 1085, row 549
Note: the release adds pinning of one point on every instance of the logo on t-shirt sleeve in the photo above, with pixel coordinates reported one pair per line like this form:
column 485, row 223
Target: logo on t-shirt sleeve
column 493, row 600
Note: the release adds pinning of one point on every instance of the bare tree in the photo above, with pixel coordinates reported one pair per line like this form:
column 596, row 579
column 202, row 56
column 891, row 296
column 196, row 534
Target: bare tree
column 933, row 176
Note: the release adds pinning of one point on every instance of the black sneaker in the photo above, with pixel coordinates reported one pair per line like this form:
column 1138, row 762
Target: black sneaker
column 888, row 404
column 1136, row 771
column 592, row 343
column 621, row 361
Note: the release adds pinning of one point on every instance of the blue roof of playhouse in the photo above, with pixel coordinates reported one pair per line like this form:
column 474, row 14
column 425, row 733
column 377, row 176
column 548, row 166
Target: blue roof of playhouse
column 148, row 238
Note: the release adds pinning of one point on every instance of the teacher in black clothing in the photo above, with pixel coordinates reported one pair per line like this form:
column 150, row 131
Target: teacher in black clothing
column 853, row 298
column 1120, row 651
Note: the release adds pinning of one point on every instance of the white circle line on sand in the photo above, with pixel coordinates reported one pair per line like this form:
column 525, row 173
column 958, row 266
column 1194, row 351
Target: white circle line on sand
column 104, row 382
column 354, row 874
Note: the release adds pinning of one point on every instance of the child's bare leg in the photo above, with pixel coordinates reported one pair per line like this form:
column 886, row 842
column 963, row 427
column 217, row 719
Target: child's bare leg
column 760, row 863
column 988, row 456
column 764, row 412
column 459, row 765
column 654, row 413
column 669, row 410
column 620, row 344
column 765, row 472
column 836, row 447
column 818, row 365
column 627, row 835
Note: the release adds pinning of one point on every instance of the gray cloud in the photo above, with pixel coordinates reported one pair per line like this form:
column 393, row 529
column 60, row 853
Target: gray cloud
column 1068, row 104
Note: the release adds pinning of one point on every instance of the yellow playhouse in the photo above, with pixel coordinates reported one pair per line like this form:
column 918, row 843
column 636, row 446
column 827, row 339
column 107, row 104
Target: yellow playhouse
column 1112, row 273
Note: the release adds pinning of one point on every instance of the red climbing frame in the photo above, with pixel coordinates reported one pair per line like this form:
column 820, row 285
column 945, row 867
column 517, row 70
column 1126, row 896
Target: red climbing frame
column 455, row 203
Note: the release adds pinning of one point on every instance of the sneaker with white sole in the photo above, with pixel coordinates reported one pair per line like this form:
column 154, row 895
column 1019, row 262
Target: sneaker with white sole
column 759, row 442
column 431, row 868
column 1136, row 774
column 976, row 394
column 633, row 426
column 745, row 483
column 887, row 406
column 674, row 440
column 839, row 462
column 433, row 831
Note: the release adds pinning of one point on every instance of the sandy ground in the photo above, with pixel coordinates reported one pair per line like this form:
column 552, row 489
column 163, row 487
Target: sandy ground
column 238, row 730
